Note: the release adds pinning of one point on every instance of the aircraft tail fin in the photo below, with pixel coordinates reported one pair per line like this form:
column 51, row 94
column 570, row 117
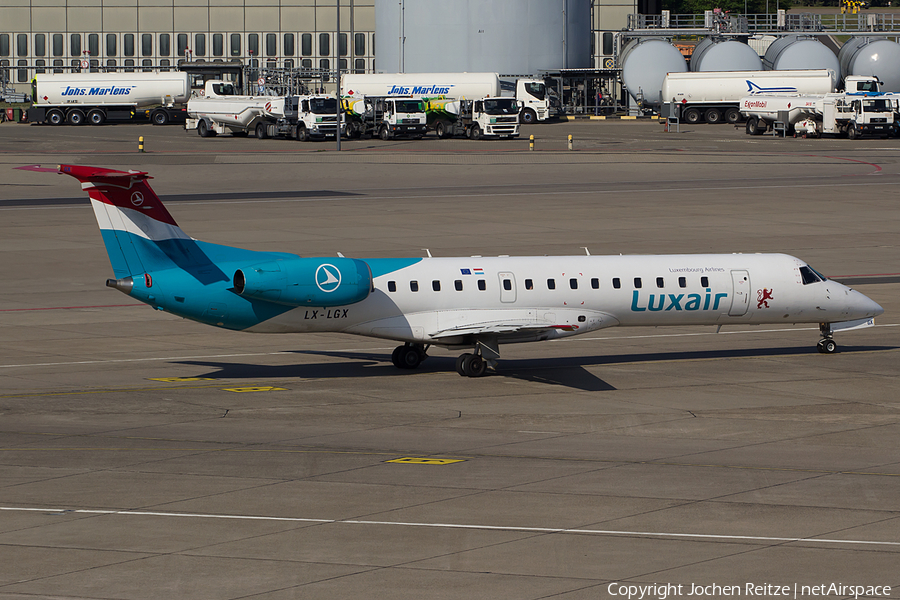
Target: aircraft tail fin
column 135, row 226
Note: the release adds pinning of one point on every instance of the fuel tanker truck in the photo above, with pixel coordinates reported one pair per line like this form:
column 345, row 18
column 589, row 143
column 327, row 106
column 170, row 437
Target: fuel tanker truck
column 531, row 93
column 95, row 98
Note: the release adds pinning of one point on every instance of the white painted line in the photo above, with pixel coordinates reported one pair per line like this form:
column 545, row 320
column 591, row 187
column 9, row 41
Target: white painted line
column 665, row 335
column 596, row 532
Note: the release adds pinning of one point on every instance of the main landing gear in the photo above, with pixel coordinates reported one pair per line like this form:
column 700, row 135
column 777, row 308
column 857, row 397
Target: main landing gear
column 470, row 364
column 827, row 344
column 408, row 356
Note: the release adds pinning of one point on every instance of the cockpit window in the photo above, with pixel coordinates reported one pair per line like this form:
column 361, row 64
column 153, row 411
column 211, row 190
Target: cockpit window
column 810, row 275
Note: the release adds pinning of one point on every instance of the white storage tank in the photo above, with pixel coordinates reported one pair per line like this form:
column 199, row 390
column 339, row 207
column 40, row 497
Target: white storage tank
column 519, row 37
column 719, row 54
column 645, row 62
column 795, row 52
column 872, row 56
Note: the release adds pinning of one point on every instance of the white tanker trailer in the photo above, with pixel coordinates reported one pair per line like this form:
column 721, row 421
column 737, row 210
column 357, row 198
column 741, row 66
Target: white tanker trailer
column 460, row 86
column 221, row 110
column 76, row 98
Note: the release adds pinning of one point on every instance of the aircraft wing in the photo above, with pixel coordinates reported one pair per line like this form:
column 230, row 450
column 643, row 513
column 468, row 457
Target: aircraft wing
column 499, row 329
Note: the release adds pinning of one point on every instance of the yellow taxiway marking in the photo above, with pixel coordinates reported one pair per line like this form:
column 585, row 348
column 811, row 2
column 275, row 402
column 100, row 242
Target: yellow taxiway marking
column 179, row 379
column 261, row 388
column 410, row 460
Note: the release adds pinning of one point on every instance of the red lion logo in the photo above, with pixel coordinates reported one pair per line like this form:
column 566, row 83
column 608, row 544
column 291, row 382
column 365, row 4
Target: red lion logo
column 763, row 295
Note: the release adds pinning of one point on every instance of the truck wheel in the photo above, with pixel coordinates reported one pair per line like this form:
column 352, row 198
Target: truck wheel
column 159, row 117
column 56, row 117
column 384, row 134
column 528, row 116
column 692, row 116
column 96, row 117
column 752, row 126
column 732, row 116
column 713, row 116
column 204, row 130
column 302, row 133
column 261, row 132
column 440, row 130
column 75, row 117
column 476, row 132
column 852, row 131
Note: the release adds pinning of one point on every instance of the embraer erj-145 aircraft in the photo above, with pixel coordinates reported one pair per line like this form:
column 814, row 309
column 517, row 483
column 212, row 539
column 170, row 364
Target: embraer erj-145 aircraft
column 473, row 303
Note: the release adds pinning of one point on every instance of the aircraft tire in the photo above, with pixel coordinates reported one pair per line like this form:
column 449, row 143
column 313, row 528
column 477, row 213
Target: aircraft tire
column 461, row 364
column 410, row 357
column 476, row 366
column 395, row 356
column 827, row 347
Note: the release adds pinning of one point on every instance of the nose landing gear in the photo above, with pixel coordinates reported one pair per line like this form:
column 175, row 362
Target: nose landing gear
column 827, row 344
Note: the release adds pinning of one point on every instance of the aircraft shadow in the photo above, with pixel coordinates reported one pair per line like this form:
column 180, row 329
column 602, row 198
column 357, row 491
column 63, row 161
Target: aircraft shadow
column 569, row 372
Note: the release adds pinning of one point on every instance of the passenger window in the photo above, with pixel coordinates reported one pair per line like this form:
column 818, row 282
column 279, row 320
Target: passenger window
column 482, row 285
column 682, row 282
column 573, row 283
column 595, row 283
column 704, row 281
column 507, row 285
column 551, row 284
column 458, row 285
column 436, row 285
column 637, row 282
column 617, row 283
column 392, row 286
column 529, row 284
column 414, row 286
column 660, row 282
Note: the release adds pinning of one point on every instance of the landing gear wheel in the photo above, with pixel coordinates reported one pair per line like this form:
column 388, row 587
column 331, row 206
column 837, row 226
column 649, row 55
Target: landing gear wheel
column 408, row 356
column 96, row 117
column 827, row 347
column 471, row 365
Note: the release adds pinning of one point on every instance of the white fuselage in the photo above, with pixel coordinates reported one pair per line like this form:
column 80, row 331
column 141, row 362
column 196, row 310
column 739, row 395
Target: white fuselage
column 536, row 298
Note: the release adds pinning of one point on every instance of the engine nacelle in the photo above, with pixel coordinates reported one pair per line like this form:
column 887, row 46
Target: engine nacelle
column 306, row 281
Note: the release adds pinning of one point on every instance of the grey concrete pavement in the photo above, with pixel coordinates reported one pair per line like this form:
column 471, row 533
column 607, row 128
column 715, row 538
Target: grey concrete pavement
column 144, row 456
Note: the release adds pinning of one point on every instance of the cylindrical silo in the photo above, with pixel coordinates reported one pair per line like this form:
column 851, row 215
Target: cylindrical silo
column 645, row 62
column 719, row 54
column 872, row 56
column 793, row 52
column 497, row 36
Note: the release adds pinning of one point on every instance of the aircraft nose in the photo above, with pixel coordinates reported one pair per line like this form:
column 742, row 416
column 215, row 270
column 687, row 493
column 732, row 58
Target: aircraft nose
column 865, row 306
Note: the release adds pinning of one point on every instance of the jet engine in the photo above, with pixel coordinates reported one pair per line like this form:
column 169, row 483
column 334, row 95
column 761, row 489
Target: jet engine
column 306, row 281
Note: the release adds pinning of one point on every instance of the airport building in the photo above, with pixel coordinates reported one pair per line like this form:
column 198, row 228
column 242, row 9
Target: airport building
column 54, row 35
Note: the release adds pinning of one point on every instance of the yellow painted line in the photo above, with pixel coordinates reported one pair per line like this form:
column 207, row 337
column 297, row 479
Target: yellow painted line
column 600, row 118
column 177, row 379
column 628, row 118
column 425, row 461
column 261, row 388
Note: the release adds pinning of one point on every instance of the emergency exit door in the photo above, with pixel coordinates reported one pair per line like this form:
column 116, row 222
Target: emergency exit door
column 740, row 300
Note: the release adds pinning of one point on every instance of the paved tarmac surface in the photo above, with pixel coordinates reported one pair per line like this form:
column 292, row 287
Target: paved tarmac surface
column 142, row 456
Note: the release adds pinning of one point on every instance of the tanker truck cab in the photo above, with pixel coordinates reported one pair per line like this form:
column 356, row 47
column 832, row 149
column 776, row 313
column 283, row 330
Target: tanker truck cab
column 316, row 117
column 854, row 116
column 400, row 117
column 532, row 93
